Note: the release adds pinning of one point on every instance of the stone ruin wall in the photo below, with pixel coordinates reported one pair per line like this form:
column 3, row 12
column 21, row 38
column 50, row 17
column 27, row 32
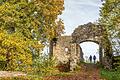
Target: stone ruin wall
column 65, row 51
column 59, row 49
column 87, row 32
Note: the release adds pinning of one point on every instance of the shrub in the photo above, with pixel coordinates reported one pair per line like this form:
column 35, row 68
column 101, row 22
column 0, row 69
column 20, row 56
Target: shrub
column 2, row 65
column 63, row 67
column 116, row 62
column 42, row 65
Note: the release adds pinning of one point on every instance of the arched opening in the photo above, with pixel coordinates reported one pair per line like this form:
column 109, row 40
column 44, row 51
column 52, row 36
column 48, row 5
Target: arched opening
column 90, row 48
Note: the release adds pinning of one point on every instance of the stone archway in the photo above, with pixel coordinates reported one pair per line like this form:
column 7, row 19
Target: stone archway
column 67, row 48
column 89, row 32
column 95, row 33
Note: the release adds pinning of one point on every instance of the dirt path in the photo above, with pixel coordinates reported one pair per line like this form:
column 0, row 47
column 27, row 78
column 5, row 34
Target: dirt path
column 88, row 72
column 11, row 74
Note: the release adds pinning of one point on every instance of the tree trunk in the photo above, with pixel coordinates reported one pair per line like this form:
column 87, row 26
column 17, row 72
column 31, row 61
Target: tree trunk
column 51, row 49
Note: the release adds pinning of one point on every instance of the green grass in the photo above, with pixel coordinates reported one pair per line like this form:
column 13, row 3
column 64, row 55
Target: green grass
column 110, row 75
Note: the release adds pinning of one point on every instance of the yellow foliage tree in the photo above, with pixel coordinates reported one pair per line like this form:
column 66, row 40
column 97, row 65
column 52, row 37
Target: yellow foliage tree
column 26, row 24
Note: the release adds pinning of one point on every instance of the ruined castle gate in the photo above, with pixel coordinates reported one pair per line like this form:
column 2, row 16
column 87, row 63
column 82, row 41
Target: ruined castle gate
column 89, row 32
column 67, row 48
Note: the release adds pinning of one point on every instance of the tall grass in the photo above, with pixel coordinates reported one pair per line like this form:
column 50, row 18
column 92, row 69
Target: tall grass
column 43, row 66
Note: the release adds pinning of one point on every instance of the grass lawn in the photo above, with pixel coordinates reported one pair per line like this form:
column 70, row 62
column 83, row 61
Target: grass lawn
column 110, row 75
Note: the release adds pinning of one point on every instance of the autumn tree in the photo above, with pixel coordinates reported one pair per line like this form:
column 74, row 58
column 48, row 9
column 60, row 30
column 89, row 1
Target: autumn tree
column 110, row 18
column 26, row 25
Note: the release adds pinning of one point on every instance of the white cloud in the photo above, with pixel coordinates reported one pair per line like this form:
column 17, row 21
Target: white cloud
column 79, row 12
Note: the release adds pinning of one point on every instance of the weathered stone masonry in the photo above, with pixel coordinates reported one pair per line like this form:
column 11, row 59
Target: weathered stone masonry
column 65, row 51
column 67, row 48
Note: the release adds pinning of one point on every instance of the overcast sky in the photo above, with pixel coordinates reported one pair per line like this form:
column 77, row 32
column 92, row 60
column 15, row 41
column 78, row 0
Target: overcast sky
column 90, row 48
column 78, row 12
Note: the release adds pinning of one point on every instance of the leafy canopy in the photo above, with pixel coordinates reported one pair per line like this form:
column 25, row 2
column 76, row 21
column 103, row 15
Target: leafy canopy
column 26, row 24
column 110, row 18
